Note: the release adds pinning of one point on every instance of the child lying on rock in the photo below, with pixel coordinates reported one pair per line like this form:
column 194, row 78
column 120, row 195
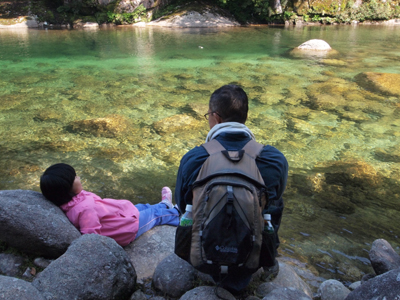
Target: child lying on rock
column 117, row 219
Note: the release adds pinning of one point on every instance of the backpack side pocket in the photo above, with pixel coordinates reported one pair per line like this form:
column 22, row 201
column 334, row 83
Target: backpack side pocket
column 268, row 249
column 183, row 241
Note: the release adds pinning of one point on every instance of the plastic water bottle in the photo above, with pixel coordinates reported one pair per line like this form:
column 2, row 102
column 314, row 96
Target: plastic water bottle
column 187, row 218
column 267, row 224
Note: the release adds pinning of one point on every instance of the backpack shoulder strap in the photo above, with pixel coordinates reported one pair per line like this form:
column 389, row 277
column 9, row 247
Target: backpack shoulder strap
column 213, row 146
column 253, row 148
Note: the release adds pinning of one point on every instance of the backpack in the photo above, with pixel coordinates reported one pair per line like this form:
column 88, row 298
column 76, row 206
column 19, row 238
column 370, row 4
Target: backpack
column 229, row 197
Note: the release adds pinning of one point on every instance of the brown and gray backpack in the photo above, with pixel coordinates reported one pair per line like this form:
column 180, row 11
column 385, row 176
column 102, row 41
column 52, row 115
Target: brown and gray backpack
column 229, row 196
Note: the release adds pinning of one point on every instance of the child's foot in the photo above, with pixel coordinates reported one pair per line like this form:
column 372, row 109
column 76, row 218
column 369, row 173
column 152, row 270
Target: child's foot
column 166, row 197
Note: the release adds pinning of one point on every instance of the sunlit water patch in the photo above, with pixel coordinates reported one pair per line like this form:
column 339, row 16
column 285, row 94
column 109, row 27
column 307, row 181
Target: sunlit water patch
column 123, row 105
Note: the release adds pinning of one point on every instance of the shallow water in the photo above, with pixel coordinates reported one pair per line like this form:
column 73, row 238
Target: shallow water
column 123, row 105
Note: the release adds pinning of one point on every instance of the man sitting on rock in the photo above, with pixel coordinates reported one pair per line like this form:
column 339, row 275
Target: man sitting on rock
column 227, row 114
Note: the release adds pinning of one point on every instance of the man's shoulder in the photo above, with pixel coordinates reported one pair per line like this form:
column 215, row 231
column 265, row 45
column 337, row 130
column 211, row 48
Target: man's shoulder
column 194, row 154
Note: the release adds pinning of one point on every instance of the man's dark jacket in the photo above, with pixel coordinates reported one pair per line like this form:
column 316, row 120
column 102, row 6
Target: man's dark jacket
column 271, row 162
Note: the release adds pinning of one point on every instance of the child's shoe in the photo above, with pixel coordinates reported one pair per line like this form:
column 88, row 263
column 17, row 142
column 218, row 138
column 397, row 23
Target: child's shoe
column 166, row 197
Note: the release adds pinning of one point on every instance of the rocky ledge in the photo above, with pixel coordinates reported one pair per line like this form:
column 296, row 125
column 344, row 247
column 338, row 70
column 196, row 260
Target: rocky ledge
column 74, row 266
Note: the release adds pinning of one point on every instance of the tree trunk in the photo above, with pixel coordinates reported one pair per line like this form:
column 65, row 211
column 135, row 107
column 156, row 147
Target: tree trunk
column 277, row 7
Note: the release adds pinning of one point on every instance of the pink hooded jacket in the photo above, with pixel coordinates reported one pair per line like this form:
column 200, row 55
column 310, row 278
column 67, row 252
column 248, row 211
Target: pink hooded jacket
column 117, row 219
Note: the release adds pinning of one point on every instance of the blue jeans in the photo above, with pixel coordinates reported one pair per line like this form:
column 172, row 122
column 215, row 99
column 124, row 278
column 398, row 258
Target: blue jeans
column 154, row 215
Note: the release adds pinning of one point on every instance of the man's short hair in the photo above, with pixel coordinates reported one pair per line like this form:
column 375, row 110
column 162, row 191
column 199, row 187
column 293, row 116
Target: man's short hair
column 56, row 183
column 231, row 103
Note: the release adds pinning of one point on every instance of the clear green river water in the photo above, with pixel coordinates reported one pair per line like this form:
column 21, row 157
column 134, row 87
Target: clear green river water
column 123, row 105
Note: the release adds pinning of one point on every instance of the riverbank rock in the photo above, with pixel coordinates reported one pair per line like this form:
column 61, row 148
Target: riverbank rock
column 194, row 15
column 287, row 277
column 150, row 249
column 386, row 83
column 10, row 264
column 284, row 293
column 94, row 267
column 385, row 286
column 20, row 23
column 174, row 276
column 333, row 290
column 34, row 225
column 14, row 288
column 383, row 257
column 207, row 292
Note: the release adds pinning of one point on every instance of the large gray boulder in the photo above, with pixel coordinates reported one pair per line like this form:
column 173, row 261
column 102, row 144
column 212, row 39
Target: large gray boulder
column 333, row 290
column 207, row 292
column 313, row 48
column 385, row 286
column 286, row 293
column 10, row 264
column 383, row 257
column 315, row 44
column 174, row 276
column 94, row 267
column 287, row 277
column 150, row 249
column 14, row 288
column 34, row 225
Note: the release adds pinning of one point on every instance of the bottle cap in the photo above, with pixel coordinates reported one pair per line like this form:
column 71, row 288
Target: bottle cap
column 188, row 207
column 267, row 217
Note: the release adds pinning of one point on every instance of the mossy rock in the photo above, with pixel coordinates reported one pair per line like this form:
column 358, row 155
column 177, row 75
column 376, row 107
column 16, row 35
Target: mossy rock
column 109, row 127
column 178, row 123
column 386, row 83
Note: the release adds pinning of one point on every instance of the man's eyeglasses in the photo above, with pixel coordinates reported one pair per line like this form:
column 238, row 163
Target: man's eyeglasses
column 209, row 113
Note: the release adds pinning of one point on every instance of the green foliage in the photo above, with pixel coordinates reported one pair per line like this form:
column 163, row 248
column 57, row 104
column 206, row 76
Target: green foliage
column 371, row 10
column 54, row 11
column 316, row 18
column 288, row 15
column 168, row 9
column 139, row 14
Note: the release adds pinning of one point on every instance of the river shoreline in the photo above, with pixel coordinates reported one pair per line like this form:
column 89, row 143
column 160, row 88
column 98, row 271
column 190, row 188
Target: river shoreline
column 189, row 20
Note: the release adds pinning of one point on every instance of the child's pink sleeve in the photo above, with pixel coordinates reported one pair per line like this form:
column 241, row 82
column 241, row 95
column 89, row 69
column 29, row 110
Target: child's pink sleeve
column 89, row 222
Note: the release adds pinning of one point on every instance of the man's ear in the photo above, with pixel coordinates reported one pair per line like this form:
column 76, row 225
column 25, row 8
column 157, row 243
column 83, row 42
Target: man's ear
column 218, row 118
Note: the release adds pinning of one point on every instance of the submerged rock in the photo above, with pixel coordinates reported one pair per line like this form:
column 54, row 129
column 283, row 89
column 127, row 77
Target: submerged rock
column 178, row 123
column 109, row 127
column 386, row 83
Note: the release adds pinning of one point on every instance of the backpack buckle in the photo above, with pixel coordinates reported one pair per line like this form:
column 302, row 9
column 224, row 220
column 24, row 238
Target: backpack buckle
column 224, row 269
column 234, row 156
